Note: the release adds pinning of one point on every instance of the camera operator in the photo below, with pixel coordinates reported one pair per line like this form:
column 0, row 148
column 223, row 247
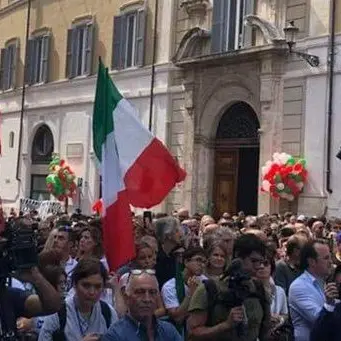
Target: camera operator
column 15, row 303
column 235, row 307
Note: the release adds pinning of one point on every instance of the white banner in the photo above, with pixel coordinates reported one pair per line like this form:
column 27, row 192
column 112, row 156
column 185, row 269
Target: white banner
column 44, row 208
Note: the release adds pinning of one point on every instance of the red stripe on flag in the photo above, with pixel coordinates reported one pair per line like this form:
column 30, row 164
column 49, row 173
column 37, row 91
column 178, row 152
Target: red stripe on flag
column 118, row 237
column 152, row 176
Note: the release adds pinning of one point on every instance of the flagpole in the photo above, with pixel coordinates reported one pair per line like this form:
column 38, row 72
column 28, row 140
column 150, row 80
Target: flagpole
column 152, row 82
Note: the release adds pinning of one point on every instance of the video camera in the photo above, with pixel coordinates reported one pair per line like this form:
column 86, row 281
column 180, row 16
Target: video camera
column 238, row 288
column 18, row 247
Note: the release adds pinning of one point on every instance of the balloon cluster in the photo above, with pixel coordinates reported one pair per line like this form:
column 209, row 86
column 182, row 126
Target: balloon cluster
column 61, row 180
column 284, row 177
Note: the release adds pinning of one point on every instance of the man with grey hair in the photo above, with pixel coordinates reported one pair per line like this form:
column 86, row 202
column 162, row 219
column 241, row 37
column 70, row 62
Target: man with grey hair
column 170, row 237
column 140, row 324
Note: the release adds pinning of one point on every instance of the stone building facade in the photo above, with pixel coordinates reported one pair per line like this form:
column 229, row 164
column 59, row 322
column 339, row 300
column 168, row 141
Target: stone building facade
column 228, row 83
column 226, row 95
column 66, row 38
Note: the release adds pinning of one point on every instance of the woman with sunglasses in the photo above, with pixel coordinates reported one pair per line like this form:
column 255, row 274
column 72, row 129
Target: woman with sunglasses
column 279, row 304
column 84, row 317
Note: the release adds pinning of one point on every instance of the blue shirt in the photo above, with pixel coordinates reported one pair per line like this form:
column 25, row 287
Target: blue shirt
column 127, row 329
column 306, row 299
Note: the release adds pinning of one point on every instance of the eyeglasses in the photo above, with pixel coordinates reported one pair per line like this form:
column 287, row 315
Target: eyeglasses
column 259, row 262
column 138, row 272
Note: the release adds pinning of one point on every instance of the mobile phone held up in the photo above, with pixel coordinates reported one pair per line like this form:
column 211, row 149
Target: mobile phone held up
column 147, row 218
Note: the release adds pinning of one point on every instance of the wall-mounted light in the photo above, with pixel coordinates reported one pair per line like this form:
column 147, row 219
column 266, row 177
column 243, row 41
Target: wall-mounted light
column 290, row 36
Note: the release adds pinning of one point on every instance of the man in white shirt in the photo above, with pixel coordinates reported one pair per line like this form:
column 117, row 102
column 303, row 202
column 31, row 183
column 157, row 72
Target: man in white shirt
column 177, row 292
column 63, row 243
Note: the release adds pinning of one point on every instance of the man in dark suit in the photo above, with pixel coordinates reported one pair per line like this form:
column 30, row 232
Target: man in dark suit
column 327, row 326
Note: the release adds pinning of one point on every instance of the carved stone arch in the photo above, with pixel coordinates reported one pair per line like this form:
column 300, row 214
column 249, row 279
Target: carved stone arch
column 238, row 122
column 42, row 144
column 223, row 96
column 226, row 81
column 191, row 44
column 31, row 133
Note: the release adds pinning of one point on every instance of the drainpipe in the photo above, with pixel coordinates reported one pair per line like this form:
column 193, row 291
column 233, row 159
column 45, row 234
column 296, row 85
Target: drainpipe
column 331, row 67
column 23, row 94
column 152, row 82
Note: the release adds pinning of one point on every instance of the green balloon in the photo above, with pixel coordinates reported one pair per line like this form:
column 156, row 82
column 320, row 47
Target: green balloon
column 303, row 162
column 291, row 161
column 278, row 178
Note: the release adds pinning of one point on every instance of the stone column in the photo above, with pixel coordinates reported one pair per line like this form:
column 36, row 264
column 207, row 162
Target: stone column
column 271, row 119
column 188, row 190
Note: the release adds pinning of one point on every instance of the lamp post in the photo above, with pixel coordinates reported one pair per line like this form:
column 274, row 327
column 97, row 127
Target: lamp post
column 290, row 32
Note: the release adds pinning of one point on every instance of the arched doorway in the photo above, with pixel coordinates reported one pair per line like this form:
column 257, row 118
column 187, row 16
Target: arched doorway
column 236, row 161
column 41, row 154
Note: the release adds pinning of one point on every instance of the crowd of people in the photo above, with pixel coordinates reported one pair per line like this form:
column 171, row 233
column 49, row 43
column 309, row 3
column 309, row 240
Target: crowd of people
column 236, row 278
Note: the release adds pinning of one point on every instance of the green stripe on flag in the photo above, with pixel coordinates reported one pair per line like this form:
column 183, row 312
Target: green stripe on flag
column 106, row 100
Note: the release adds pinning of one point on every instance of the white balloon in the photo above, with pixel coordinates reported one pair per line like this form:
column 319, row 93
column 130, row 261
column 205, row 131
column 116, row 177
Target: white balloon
column 266, row 185
column 284, row 157
column 280, row 186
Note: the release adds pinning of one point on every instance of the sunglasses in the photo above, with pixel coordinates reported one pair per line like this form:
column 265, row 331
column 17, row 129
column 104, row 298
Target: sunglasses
column 138, row 272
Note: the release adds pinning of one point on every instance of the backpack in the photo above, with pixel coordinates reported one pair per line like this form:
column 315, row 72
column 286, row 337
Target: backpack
column 59, row 334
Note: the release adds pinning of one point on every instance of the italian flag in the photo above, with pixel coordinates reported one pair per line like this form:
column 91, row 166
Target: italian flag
column 136, row 167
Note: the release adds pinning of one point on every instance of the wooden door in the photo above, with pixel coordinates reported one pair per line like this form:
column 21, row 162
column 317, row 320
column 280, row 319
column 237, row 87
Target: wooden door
column 226, row 182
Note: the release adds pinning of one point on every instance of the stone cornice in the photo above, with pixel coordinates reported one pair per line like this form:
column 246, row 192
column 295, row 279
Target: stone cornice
column 13, row 6
column 126, row 74
column 231, row 57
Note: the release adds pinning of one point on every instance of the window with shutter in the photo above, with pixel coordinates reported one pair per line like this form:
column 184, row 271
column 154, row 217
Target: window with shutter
column 9, row 60
column 29, row 67
column 228, row 30
column 37, row 64
column 80, row 50
column 88, row 49
column 13, row 56
column 140, row 37
column 129, row 39
column 219, row 22
column 70, row 51
column 116, row 60
column 2, row 68
column 45, row 57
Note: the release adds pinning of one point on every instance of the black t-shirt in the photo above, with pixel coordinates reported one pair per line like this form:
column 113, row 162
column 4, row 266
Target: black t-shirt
column 165, row 266
column 12, row 306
